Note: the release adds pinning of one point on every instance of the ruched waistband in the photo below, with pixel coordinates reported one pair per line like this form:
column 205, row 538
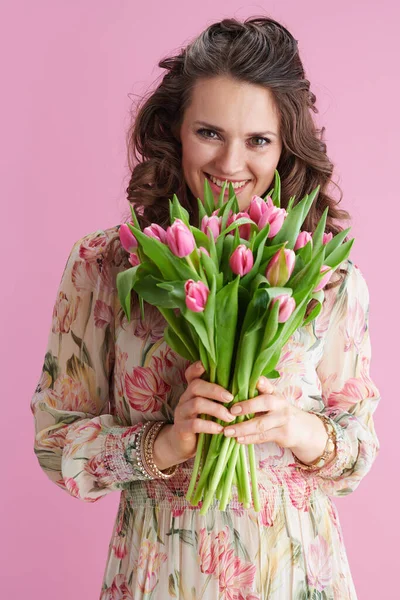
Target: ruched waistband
column 285, row 487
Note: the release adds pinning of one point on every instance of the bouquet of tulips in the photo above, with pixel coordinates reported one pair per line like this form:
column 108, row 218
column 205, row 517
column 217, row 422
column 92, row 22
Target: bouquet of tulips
column 232, row 291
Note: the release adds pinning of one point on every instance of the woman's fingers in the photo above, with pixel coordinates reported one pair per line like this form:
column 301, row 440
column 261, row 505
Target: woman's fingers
column 258, row 404
column 200, row 405
column 198, row 426
column 257, row 426
column 193, row 371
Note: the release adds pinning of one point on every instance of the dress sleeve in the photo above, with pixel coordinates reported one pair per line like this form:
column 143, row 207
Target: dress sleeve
column 79, row 444
column 349, row 396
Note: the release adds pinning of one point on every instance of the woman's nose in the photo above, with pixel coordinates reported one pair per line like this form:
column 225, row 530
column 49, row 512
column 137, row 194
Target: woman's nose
column 230, row 161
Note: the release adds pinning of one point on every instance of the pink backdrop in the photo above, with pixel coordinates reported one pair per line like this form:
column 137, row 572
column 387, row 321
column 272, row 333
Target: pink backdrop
column 68, row 69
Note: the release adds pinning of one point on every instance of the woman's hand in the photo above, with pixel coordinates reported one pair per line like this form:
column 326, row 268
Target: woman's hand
column 178, row 442
column 277, row 420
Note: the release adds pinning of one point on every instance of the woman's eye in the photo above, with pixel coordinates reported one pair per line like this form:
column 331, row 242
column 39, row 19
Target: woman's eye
column 204, row 133
column 266, row 140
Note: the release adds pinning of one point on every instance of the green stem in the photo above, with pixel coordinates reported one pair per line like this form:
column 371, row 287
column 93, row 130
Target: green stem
column 211, row 458
column 245, row 475
column 219, row 467
column 195, row 465
column 229, row 474
column 253, row 472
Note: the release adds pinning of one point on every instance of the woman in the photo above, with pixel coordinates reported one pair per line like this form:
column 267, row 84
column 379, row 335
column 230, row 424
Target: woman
column 233, row 105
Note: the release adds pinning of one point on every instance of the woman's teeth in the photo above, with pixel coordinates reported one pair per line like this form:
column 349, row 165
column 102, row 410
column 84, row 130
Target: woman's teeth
column 220, row 183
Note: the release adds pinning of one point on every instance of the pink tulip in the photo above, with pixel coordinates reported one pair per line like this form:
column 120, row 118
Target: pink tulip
column 202, row 249
column 244, row 230
column 180, row 239
column 328, row 274
column 241, row 260
column 302, row 239
column 277, row 276
column 156, row 231
column 128, row 240
column 214, row 223
column 196, row 295
column 134, row 259
column 327, row 238
column 275, row 217
column 258, row 207
column 286, row 307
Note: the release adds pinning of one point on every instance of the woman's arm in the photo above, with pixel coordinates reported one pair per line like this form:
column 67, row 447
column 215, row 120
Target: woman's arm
column 348, row 393
column 79, row 444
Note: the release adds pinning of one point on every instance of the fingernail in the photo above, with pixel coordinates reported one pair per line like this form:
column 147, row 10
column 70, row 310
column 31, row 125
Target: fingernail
column 227, row 396
column 230, row 431
column 235, row 410
column 229, row 417
column 262, row 381
column 199, row 365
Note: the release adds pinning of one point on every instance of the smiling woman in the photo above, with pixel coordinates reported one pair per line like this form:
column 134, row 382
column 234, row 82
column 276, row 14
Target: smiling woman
column 230, row 154
column 116, row 409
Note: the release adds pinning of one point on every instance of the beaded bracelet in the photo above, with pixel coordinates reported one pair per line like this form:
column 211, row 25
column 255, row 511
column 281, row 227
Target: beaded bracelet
column 319, row 462
column 149, row 434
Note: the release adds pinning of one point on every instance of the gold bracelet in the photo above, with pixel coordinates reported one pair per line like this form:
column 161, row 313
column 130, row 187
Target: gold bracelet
column 146, row 453
column 329, row 448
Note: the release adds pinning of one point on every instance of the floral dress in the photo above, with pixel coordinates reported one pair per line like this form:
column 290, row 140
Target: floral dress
column 103, row 377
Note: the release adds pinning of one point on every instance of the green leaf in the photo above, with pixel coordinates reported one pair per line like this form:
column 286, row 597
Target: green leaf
column 260, row 249
column 276, row 196
column 221, row 197
column 294, row 220
column 271, row 327
column 125, row 283
column 319, row 231
column 237, row 223
column 209, row 319
column 210, row 267
column 226, row 316
column 176, row 211
column 176, row 343
column 202, row 211
column 336, row 241
column 305, row 253
column 171, row 266
column 201, row 238
column 209, row 202
column 339, row 254
column 134, row 217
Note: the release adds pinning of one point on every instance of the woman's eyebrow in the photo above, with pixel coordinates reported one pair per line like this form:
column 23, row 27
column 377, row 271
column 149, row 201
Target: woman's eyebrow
column 220, row 130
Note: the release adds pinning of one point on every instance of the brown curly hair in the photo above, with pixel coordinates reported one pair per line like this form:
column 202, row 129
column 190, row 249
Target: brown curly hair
column 259, row 51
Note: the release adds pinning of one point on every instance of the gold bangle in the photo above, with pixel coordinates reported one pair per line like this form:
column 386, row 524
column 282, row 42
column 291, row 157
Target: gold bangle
column 146, row 453
column 319, row 462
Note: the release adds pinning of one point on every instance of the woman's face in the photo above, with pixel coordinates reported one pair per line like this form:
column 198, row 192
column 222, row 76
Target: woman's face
column 230, row 131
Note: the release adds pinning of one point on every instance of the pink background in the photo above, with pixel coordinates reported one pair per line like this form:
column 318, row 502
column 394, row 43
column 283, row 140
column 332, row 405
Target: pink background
column 68, row 69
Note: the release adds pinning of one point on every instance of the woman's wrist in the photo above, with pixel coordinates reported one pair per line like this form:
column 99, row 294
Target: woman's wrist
column 164, row 455
column 314, row 441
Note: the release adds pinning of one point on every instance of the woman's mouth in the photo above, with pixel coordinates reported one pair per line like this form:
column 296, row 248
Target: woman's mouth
column 217, row 188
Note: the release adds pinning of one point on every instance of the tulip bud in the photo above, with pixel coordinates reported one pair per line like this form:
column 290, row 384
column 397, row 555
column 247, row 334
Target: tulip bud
column 302, row 239
column 202, row 249
column 257, row 208
column 180, row 239
column 245, row 229
column 327, row 238
column 156, row 231
column 276, row 274
column 328, row 274
column 241, row 260
column 286, row 307
column 128, row 240
column 214, row 223
column 196, row 295
column 275, row 217
column 134, row 259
